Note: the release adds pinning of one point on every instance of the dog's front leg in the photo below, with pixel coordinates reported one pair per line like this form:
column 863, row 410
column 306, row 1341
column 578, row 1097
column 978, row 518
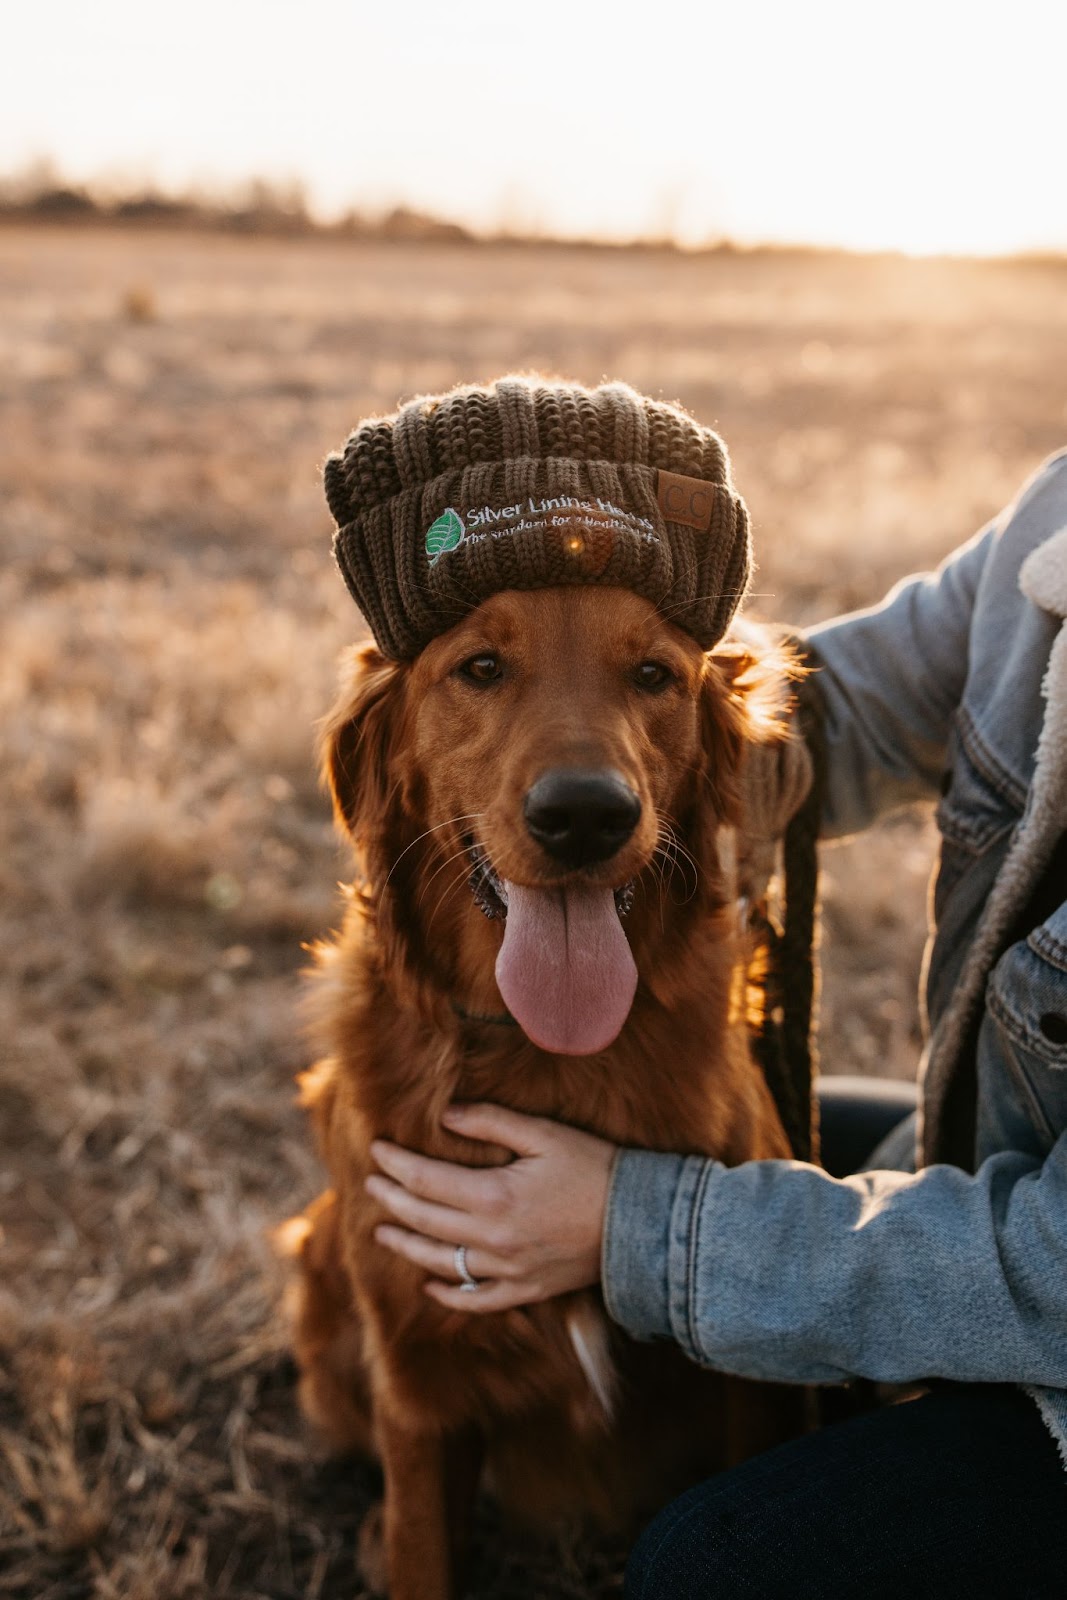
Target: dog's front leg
column 429, row 1487
column 464, row 1454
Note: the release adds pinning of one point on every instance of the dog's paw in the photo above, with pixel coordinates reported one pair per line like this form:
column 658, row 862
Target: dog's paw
column 370, row 1556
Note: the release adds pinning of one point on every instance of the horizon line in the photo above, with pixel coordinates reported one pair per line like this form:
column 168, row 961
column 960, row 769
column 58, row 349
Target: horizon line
column 42, row 195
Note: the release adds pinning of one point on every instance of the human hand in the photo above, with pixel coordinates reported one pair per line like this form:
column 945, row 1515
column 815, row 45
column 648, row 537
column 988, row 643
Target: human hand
column 532, row 1229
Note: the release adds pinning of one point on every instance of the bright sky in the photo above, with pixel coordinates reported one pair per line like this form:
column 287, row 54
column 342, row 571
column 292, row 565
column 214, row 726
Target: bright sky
column 920, row 125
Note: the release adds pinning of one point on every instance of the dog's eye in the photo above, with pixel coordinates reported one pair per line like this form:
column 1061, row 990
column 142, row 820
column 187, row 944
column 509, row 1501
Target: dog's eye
column 652, row 675
column 482, row 669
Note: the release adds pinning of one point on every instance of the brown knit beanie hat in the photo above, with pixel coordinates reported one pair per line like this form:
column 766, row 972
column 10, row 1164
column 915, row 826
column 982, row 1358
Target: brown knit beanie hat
column 529, row 484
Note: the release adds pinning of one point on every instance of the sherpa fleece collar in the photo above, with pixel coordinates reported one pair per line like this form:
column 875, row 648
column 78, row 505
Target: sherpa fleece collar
column 1043, row 575
column 1043, row 580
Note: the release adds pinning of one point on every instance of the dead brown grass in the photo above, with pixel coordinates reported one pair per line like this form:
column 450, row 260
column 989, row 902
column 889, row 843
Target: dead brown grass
column 171, row 620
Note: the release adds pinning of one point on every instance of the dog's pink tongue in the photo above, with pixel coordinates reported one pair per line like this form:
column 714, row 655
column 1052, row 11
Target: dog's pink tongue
column 565, row 969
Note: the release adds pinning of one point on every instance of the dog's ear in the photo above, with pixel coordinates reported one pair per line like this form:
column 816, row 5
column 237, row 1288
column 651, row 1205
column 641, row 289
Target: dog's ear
column 355, row 744
column 724, row 725
column 745, row 701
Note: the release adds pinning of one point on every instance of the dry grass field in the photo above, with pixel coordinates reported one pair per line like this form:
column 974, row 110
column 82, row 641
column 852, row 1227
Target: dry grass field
column 171, row 619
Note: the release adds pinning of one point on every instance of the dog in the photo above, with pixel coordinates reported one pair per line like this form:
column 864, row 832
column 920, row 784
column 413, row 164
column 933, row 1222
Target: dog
column 561, row 759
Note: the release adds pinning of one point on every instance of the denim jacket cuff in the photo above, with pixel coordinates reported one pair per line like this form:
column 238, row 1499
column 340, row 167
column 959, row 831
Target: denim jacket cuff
column 645, row 1258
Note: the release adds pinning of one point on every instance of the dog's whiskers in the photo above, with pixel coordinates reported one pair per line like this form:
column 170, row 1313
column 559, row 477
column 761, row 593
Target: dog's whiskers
column 673, row 853
column 658, row 865
column 667, row 612
column 675, row 840
column 679, row 847
column 453, row 886
column 447, row 862
column 467, row 816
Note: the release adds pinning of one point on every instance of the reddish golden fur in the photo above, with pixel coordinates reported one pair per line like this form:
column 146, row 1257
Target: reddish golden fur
column 409, row 750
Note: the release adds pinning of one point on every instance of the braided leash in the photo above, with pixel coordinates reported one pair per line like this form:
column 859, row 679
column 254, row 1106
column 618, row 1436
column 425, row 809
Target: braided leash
column 784, row 971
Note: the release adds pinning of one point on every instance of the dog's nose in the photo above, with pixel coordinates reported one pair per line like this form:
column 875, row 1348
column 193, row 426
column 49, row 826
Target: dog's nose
column 581, row 817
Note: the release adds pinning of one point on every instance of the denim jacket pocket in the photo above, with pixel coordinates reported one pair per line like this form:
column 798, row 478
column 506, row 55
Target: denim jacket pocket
column 972, row 817
column 1027, row 997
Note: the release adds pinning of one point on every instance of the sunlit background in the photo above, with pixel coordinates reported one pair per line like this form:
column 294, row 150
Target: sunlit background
column 923, row 126
column 179, row 350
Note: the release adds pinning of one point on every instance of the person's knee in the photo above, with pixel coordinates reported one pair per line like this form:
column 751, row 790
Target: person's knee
column 650, row 1571
column 686, row 1553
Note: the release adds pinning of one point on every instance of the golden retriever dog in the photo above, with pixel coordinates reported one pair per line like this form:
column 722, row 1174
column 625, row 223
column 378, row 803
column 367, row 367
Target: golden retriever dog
column 539, row 801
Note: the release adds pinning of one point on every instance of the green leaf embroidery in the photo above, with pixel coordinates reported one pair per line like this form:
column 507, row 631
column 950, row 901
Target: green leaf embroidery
column 445, row 534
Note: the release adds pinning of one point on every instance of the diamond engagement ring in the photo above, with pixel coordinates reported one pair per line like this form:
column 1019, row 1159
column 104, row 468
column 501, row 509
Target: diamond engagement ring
column 466, row 1282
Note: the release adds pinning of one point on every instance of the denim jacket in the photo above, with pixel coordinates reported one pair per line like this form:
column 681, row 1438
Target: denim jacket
column 956, row 685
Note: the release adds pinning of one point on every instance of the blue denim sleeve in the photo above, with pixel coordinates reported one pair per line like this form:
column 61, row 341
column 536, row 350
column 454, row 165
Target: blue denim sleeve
column 891, row 679
column 775, row 1270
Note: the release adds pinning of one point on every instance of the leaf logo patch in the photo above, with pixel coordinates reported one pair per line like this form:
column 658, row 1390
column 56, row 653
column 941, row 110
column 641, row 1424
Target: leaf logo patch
column 444, row 534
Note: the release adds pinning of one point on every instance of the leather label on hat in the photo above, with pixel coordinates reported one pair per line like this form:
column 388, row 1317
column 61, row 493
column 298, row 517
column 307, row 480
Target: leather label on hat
column 686, row 500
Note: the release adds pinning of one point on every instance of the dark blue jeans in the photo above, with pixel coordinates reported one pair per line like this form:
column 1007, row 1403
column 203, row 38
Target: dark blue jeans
column 959, row 1495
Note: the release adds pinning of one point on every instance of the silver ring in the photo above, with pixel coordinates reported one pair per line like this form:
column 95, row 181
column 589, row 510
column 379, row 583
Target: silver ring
column 459, row 1259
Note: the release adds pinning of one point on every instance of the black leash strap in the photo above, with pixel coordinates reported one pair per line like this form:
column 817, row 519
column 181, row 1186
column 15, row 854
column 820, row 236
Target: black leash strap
column 786, row 966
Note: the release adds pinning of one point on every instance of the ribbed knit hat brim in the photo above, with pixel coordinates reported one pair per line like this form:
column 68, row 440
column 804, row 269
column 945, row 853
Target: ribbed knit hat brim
column 530, row 484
